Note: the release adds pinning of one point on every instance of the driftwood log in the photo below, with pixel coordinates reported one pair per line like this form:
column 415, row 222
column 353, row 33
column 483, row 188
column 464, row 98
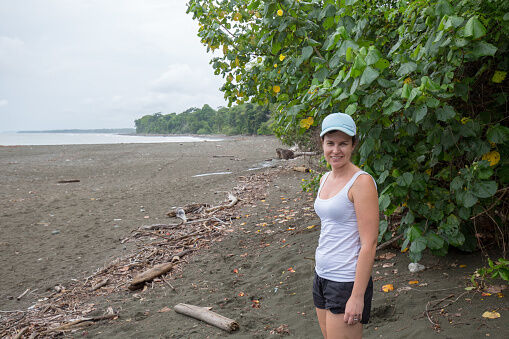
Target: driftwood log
column 206, row 315
column 140, row 280
column 289, row 154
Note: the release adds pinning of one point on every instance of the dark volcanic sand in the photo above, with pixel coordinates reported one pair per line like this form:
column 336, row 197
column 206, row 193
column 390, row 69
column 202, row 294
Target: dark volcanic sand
column 274, row 259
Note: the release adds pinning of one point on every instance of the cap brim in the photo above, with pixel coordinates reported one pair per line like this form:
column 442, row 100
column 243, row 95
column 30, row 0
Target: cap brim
column 344, row 130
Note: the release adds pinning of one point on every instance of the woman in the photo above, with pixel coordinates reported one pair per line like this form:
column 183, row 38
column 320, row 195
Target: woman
column 347, row 204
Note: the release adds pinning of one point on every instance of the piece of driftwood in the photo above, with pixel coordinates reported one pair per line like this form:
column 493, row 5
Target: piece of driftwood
column 68, row 181
column 289, row 154
column 206, row 315
column 68, row 326
column 284, row 153
column 389, row 242
column 233, row 200
column 100, row 284
column 150, row 274
column 301, row 169
column 188, row 209
column 21, row 332
column 23, row 294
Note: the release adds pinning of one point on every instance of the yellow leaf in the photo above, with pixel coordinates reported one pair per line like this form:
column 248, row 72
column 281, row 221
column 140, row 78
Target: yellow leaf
column 404, row 250
column 387, row 288
column 413, row 282
column 491, row 315
column 276, row 89
column 493, row 157
column 462, row 266
column 311, row 227
column 498, row 76
column 464, row 120
column 407, row 80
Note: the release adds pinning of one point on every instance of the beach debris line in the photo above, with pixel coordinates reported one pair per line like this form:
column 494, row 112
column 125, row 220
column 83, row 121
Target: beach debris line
column 206, row 315
column 289, row 154
column 68, row 181
column 66, row 309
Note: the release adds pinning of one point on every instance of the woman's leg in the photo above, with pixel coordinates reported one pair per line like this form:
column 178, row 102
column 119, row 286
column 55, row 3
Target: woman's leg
column 336, row 327
column 322, row 314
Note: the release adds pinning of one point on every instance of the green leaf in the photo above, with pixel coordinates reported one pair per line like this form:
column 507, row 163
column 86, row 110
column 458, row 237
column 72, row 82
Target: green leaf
column 306, row 52
column 371, row 99
column 434, row 241
column 373, row 56
column 483, row 48
column 457, row 239
column 413, row 232
column 406, row 91
column 406, row 68
column 469, row 199
column 474, row 28
column 393, row 107
column 405, row 180
column 456, row 184
column 384, row 201
column 368, row 76
column 351, row 109
column 382, row 64
column 418, row 245
column 484, row 189
column 349, row 54
column 382, row 228
column 498, row 134
column 419, row 113
column 445, row 113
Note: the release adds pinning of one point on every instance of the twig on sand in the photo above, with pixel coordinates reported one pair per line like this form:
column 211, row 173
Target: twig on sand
column 23, row 294
column 389, row 242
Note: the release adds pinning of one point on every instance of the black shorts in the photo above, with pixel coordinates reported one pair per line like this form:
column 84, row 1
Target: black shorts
column 332, row 296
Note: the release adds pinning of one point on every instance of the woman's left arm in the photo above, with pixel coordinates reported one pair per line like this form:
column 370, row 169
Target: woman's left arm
column 365, row 200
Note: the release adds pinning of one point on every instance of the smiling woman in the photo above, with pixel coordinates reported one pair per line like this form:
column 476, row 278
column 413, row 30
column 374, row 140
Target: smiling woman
column 347, row 204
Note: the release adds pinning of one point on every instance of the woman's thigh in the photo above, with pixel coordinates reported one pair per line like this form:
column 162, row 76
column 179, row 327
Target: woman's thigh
column 336, row 327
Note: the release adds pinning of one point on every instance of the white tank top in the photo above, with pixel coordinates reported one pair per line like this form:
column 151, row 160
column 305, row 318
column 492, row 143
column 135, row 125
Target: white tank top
column 339, row 243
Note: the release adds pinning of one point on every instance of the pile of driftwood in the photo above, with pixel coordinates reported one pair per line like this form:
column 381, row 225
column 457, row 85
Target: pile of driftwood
column 161, row 252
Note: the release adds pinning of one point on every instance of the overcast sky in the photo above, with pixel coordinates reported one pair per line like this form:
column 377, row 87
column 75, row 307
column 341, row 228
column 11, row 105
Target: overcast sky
column 99, row 63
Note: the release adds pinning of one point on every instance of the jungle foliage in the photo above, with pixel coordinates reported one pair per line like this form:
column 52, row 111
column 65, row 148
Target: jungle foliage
column 241, row 119
column 425, row 81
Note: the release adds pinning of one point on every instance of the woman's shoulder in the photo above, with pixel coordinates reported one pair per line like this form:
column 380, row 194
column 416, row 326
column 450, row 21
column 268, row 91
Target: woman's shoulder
column 364, row 180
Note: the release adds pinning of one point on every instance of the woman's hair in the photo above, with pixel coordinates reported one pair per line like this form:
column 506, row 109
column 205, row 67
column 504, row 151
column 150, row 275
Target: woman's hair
column 354, row 137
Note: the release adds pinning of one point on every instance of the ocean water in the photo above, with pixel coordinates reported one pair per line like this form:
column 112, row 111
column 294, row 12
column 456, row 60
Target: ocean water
column 15, row 139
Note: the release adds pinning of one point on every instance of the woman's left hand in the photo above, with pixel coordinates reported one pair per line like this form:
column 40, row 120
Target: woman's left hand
column 353, row 310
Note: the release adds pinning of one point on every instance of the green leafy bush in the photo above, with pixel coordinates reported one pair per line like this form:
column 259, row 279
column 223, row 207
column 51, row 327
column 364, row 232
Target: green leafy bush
column 425, row 81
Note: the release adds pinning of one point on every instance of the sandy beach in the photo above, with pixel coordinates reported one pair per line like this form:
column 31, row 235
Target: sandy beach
column 259, row 273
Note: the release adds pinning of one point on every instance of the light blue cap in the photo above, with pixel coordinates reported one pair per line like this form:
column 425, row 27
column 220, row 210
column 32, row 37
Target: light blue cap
column 338, row 122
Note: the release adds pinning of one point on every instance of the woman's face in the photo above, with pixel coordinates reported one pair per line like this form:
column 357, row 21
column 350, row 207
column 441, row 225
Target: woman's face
column 337, row 148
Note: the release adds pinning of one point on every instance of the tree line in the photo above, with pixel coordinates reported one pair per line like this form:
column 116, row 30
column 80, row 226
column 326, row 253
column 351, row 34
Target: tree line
column 241, row 119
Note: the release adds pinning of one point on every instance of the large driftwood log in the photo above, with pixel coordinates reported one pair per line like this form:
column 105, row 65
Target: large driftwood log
column 204, row 314
column 152, row 273
column 289, row 154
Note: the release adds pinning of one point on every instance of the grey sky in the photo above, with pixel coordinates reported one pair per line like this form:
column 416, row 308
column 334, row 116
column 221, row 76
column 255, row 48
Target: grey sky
column 99, row 63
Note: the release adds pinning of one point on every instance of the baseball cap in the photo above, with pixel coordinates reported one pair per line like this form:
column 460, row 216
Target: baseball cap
column 338, row 122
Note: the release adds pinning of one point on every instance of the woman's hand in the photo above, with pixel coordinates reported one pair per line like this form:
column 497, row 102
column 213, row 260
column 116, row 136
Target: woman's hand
column 353, row 310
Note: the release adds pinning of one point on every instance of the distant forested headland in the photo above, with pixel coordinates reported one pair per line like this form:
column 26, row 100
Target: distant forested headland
column 241, row 119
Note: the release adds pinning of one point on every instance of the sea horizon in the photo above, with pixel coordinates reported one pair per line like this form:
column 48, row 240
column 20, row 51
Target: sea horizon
column 41, row 138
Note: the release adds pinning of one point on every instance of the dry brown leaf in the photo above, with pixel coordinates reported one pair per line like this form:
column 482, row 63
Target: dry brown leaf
column 495, row 288
column 389, row 264
column 164, row 309
column 491, row 315
column 387, row 256
column 387, row 288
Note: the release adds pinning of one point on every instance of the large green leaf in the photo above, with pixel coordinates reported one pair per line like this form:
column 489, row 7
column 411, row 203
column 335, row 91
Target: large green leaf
column 434, row 241
column 406, row 68
column 368, row 76
column 393, row 107
column 445, row 113
column 418, row 245
column 483, row 48
column 484, row 189
column 498, row 134
column 474, row 28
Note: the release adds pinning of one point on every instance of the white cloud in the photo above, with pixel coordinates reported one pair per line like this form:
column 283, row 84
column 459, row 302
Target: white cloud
column 3, row 102
column 93, row 64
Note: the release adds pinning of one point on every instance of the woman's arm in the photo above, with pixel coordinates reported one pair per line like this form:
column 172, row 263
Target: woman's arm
column 365, row 200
